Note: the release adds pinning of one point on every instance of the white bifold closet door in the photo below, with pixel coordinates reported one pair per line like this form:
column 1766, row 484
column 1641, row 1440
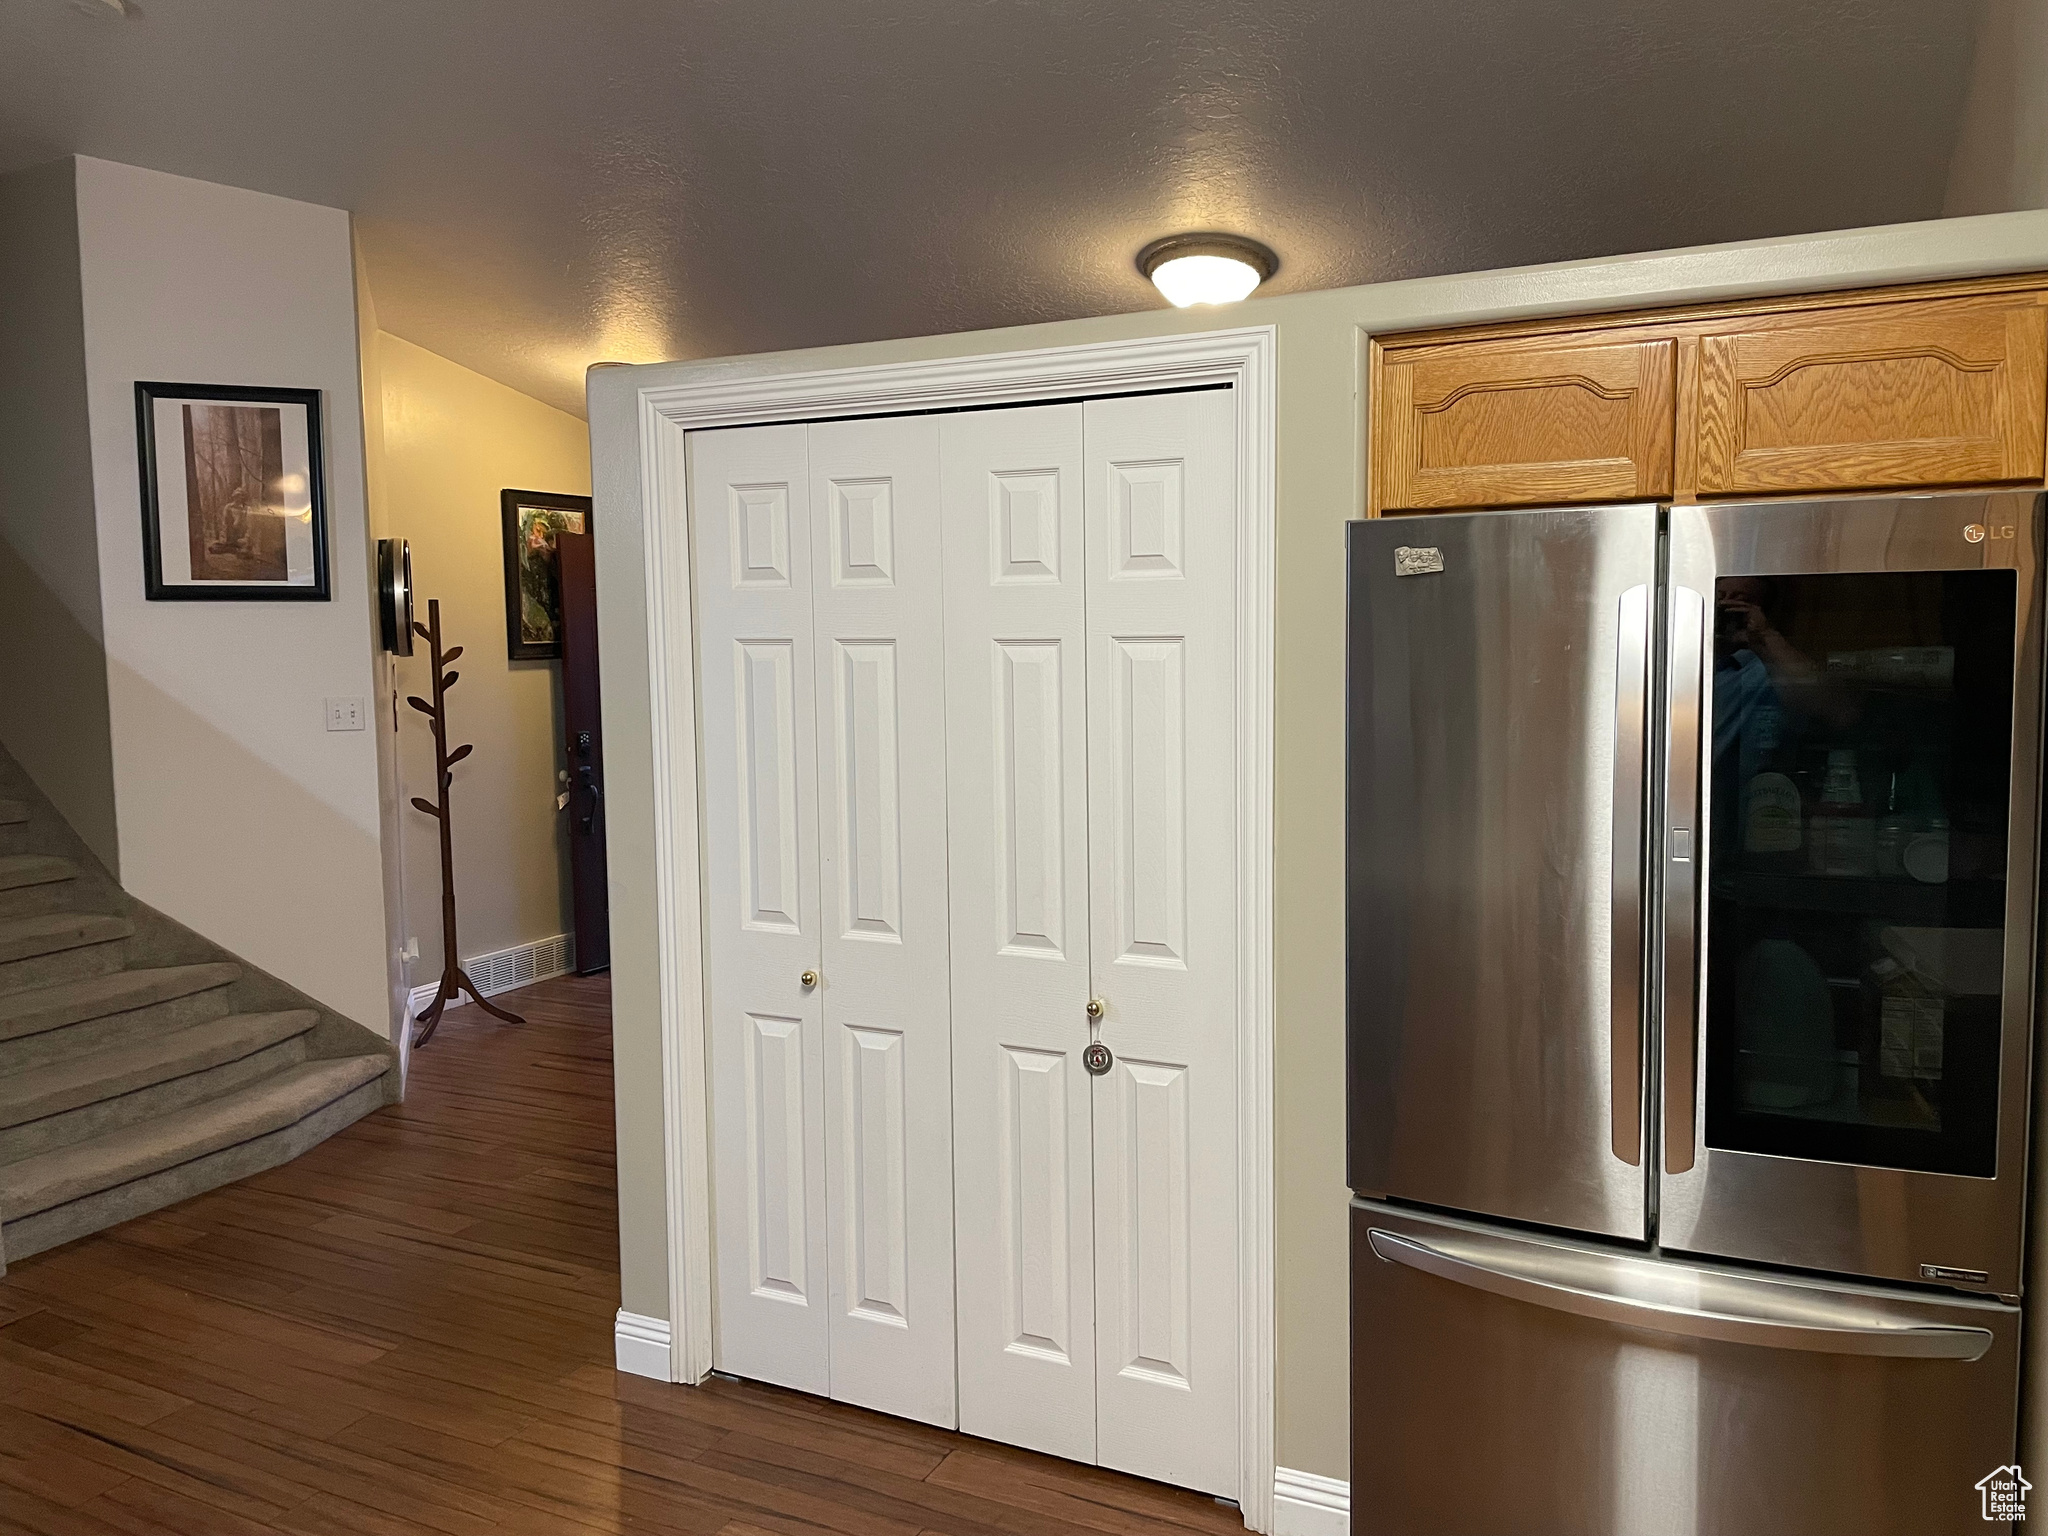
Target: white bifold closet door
column 751, row 508
column 1017, row 814
column 1163, row 764
column 822, row 662
column 1092, row 737
column 970, row 745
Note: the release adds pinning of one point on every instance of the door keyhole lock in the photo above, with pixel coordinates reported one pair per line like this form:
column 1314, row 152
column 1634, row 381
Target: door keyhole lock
column 1097, row 1059
column 809, row 978
column 1096, row 1008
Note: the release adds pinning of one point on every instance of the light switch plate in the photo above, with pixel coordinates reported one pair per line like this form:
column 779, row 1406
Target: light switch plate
column 345, row 714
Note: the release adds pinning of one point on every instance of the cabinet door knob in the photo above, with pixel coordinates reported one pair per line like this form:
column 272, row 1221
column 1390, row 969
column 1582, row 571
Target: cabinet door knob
column 1097, row 1008
column 809, row 978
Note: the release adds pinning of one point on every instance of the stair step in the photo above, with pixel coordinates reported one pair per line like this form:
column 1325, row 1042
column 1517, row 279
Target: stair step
column 52, row 1090
column 137, row 1151
column 23, row 869
column 45, row 948
column 46, row 1008
column 11, row 812
column 23, row 938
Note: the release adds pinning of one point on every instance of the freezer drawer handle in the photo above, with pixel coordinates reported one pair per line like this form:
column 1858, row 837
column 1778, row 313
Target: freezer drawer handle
column 1809, row 1330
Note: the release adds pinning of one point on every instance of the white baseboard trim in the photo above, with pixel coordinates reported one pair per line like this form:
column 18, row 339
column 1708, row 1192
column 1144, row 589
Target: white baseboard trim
column 640, row 1345
column 1309, row 1504
column 503, row 969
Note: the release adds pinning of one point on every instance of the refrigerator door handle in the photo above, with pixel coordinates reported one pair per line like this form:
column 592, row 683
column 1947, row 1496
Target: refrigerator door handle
column 1804, row 1320
column 1625, row 999
column 1685, row 857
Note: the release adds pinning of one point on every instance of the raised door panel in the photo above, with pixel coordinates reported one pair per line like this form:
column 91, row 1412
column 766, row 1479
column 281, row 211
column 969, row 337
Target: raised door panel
column 873, row 1145
column 1929, row 392
column 867, row 779
column 1504, row 424
column 1149, row 778
column 770, row 830
column 1035, row 1190
column 1017, row 796
column 1149, row 1164
column 880, row 655
column 777, row 1195
column 1028, row 763
column 751, row 505
column 1164, row 754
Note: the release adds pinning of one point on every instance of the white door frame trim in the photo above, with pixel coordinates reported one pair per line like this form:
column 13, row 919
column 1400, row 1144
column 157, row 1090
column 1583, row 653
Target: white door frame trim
column 1244, row 359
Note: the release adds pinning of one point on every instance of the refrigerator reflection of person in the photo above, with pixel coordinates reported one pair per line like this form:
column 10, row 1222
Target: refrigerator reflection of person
column 1766, row 692
column 1759, row 675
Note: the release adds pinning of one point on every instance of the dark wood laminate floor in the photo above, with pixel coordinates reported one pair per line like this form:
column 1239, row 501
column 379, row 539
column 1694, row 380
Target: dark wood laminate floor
column 409, row 1330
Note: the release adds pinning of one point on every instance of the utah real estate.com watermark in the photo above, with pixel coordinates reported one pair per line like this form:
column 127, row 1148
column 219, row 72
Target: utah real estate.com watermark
column 2005, row 1494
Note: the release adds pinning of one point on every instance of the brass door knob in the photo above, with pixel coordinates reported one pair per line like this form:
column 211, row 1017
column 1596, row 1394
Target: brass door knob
column 1097, row 1008
column 809, row 978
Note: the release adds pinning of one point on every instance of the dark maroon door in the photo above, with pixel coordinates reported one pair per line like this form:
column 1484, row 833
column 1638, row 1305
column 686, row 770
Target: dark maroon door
column 583, row 752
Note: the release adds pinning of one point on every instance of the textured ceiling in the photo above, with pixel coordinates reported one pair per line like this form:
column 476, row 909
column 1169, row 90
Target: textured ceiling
column 541, row 185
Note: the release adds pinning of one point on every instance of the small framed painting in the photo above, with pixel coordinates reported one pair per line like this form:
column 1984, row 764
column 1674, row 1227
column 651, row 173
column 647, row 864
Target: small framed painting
column 533, row 597
column 233, row 499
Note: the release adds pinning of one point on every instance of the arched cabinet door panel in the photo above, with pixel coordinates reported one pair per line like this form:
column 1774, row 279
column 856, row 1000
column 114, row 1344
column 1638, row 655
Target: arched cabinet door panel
column 1931, row 392
column 1493, row 423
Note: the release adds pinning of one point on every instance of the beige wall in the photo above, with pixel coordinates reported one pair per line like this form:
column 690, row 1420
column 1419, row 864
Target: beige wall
column 2001, row 154
column 451, row 440
column 1320, row 486
column 241, row 815
column 53, row 664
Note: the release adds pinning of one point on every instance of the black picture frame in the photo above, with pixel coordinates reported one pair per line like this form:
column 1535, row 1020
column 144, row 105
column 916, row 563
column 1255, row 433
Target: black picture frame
column 156, row 586
column 518, row 567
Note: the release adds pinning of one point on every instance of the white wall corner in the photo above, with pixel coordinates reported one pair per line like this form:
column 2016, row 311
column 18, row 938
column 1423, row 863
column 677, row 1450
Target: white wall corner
column 1305, row 1503
column 640, row 1345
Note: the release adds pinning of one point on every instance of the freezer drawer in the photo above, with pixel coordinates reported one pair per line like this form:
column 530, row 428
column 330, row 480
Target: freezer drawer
column 1509, row 1385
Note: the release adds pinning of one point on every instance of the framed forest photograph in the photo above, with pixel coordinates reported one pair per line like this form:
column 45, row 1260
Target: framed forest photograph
column 533, row 595
column 233, row 498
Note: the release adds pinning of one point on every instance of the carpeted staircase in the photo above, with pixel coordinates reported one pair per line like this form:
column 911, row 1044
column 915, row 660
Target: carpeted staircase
column 139, row 1063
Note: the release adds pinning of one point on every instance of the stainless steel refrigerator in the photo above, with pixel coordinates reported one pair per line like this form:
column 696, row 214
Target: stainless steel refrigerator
column 1691, row 930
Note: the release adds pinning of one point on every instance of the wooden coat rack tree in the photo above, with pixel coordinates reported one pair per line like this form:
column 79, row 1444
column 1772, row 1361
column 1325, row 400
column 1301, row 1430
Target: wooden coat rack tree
column 454, row 980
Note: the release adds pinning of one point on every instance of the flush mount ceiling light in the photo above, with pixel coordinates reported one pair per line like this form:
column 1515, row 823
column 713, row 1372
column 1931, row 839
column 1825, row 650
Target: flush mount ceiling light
column 1206, row 268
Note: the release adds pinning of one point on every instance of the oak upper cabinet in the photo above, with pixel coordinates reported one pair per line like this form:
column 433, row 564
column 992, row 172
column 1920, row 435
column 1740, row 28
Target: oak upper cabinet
column 1929, row 392
column 1878, row 390
column 1512, row 422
